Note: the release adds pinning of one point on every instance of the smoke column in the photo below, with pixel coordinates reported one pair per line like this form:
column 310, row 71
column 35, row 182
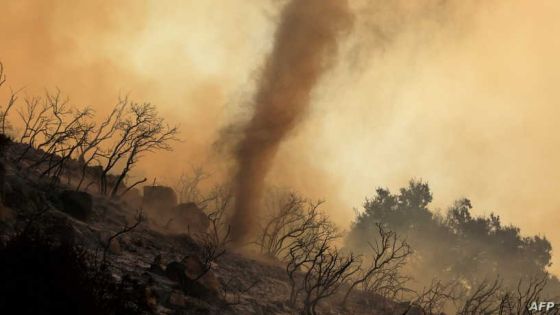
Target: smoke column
column 304, row 47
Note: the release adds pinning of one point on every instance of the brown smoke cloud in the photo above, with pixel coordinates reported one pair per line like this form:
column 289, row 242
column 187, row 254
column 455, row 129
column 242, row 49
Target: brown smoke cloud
column 162, row 53
column 459, row 93
column 304, row 47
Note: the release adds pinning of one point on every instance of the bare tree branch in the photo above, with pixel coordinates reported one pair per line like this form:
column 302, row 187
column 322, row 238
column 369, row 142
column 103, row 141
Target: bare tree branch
column 433, row 299
column 315, row 267
column 216, row 239
column 383, row 275
column 188, row 188
column 484, row 298
column 292, row 217
column 125, row 229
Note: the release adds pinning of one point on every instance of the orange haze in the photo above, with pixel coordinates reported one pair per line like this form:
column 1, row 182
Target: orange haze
column 459, row 93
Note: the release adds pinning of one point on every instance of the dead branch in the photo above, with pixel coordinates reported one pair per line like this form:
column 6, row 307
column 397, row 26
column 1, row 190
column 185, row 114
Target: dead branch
column 9, row 104
column 85, row 166
column 484, row 298
column 516, row 301
column 236, row 293
column 105, row 131
column 383, row 275
column 69, row 142
column 131, row 186
column 69, row 132
column 125, row 229
column 326, row 273
column 2, row 74
column 433, row 299
column 35, row 123
column 315, row 267
column 140, row 130
column 213, row 242
column 291, row 218
column 188, row 186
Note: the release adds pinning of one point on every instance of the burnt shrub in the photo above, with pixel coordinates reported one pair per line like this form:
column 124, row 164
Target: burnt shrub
column 5, row 141
column 40, row 276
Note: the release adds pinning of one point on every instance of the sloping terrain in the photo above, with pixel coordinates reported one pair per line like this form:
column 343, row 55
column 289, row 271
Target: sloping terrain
column 163, row 265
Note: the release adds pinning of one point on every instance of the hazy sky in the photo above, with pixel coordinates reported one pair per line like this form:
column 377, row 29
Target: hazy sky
column 462, row 94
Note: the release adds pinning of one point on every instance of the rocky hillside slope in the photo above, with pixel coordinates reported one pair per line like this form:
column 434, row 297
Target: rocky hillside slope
column 159, row 267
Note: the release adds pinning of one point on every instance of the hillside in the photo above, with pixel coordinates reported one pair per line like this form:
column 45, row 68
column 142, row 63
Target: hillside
column 156, row 265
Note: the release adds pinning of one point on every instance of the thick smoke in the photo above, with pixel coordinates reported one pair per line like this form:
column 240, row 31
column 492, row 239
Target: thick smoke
column 304, row 47
column 459, row 93
column 96, row 51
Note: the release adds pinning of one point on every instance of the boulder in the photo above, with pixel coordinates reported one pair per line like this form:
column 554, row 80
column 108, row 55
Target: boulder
column 18, row 194
column 177, row 299
column 155, row 266
column 161, row 198
column 133, row 198
column 61, row 231
column 177, row 271
column 78, row 204
column 416, row 310
column 410, row 309
column 189, row 217
column 195, row 267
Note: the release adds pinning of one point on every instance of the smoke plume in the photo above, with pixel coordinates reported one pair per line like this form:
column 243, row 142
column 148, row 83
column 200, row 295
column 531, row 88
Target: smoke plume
column 462, row 94
column 304, row 47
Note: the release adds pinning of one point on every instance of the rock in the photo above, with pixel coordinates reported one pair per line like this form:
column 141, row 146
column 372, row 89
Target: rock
column 177, row 299
column 416, row 310
column 195, row 267
column 133, row 198
column 115, row 246
column 189, row 217
column 155, row 266
column 151, row 298
column 6, row 214
column 177, row 272
column 18, row 195
column 410, row 309
column 78, row 204
column 161, row 198
column 211, row 282
column 62, row 232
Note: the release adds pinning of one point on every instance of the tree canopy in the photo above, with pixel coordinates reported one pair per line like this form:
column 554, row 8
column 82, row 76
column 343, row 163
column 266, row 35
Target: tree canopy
column 455, row 245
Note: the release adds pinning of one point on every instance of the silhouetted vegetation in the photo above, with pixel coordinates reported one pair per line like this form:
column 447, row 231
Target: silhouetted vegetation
column 455, row 247
column 398, row 249
column 103, row 151
column 298, row 234
column 4, row 144
column 434, row 298
column 381, row 273
column 41, row 276
column 290, row 217
column 316, row 268
column 213, row 242
column 9, row 103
